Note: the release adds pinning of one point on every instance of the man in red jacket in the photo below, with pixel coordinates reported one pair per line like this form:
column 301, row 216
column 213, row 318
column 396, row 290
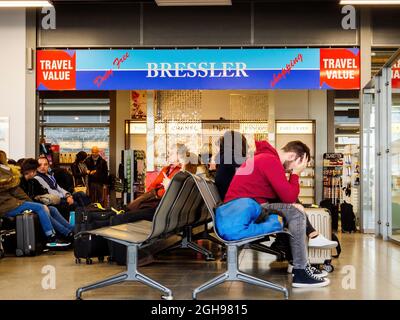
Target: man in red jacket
column 263, row 178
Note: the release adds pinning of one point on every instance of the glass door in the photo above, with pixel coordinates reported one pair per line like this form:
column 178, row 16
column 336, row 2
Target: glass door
column 395, row 162
column 368, row 161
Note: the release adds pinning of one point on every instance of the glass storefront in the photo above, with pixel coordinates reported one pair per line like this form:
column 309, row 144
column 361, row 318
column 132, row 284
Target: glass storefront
column 381, row 152
column 76, row 124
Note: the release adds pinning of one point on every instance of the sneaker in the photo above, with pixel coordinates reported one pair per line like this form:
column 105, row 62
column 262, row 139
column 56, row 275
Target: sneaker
column 304, row 278
column 322, row 243
column 317, row 272
column 57, row 243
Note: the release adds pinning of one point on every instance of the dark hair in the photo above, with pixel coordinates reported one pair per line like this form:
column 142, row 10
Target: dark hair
column 234, row 138
column 80, row 156
column 20, row 161
column 298, row 147
column 29, row 164
column 12, row 161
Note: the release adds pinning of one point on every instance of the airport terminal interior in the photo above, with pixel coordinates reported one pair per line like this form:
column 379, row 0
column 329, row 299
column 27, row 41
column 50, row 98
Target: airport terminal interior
column 99, row 111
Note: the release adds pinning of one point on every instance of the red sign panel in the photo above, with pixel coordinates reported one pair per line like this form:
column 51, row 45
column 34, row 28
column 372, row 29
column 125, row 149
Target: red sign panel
column 56, row 70
column 340, row 68
column 396, row 75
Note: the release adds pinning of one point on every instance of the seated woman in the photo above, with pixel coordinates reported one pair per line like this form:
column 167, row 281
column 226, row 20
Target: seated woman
column 14, row 201
column 180, row 159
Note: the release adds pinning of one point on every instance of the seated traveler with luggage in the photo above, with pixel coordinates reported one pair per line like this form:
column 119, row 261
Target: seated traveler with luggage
column 262, row 178
column 235, row 145
column 48, row 182
column 14, row 201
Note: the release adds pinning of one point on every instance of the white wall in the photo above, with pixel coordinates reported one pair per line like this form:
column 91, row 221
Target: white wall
column 12, row 77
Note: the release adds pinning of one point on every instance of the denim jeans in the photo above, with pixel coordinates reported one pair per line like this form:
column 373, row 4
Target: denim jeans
column 59, row 223
column 50, row 219
column 296, row 221
column 40, row 210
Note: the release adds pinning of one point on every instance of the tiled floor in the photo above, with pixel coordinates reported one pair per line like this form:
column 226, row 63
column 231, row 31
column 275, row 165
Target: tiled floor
column 368, row 268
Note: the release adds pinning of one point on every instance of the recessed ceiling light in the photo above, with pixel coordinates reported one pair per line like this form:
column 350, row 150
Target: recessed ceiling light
column 194, row 2
column 370, row 2
column 24, row 4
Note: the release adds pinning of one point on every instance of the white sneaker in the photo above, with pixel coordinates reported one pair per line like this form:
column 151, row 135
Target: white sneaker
column 322, row 243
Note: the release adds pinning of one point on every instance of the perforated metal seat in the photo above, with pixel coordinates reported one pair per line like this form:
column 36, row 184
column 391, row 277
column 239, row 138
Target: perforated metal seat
column 210, row 195
column 178, row 209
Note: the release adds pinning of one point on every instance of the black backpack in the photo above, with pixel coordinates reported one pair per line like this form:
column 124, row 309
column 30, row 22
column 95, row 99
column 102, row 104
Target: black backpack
column 348, row 217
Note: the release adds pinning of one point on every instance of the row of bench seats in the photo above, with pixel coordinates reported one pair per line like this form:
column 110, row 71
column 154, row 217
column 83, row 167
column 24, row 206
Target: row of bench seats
column 189, row 201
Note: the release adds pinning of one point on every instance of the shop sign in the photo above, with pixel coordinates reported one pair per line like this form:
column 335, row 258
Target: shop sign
column 138, row 128
column 212, row 69
column 396, row 75
column 294, row 128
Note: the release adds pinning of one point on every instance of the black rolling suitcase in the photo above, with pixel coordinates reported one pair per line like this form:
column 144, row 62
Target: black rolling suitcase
column 88, row 246
column 30, row 237
column 347, row 217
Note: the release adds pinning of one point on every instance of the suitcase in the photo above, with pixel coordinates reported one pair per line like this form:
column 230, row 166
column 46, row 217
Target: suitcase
column 88, row 246
column 321, row 220
column 30, row 237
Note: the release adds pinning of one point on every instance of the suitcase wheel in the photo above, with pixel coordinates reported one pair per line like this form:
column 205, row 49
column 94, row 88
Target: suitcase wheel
column 19, row 253
column 328, row 267
column 77, row 261
column 89, row 261
column 101, row 259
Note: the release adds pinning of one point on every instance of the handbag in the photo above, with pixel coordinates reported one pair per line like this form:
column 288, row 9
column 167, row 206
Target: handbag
column 48, row 199
column 80, row 188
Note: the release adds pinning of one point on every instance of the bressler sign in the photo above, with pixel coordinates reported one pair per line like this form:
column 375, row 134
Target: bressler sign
column 198, row 69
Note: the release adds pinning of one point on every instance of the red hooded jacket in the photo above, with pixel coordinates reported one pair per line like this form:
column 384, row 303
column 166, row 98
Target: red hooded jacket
column 263, row 178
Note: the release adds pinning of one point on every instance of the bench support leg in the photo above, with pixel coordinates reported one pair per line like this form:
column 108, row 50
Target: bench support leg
column 206, row 235
column 188, row 243
column 131, row 274
column 233, row 274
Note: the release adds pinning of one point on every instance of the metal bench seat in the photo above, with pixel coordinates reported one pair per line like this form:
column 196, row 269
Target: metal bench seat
column 179, row 209
column 211, row 198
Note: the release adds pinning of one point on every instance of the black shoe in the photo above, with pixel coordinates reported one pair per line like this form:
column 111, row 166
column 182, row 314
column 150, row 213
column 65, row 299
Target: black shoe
column 304, row 278
column 317, row 272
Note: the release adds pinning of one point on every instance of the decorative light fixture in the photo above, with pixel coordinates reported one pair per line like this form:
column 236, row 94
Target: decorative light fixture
column 370, row 2
column 25, row 3
column 194, row 2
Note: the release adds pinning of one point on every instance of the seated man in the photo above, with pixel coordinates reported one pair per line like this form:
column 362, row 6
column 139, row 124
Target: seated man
column 262, row 178
column 48, row 182
column 14, row 201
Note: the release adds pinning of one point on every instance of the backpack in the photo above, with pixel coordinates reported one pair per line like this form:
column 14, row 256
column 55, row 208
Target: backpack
column 347, row 217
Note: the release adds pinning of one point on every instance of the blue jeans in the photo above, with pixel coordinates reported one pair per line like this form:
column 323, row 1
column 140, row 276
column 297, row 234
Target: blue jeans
column 48, row 217
column 59, row 223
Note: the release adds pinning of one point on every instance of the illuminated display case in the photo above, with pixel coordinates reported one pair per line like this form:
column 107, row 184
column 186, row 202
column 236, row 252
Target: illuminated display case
column 199, row 136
